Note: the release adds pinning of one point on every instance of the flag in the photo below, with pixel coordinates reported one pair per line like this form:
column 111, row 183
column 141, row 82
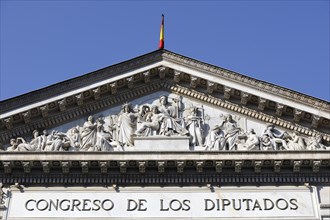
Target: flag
column 161, row 35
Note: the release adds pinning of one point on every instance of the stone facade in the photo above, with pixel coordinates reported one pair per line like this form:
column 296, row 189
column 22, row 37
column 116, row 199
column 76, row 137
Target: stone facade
column 165, row 120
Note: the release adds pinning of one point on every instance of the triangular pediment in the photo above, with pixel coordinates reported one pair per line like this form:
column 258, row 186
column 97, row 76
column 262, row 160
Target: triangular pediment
column 154, row 127
column 142, row 79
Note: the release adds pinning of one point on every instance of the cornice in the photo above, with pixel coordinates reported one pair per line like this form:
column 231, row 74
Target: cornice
column 170, row 168
column 237, row 77
column 166, row 155
column 80, row 81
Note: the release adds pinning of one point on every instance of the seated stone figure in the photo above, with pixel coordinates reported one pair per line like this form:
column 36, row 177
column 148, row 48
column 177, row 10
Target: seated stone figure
column 266, row 143
column 276, row 137
column 170, row 124
column 151, row 124
column 251, row 141
column 296, row 142
column 58, row 141
column 315, row 143
column 215, row 139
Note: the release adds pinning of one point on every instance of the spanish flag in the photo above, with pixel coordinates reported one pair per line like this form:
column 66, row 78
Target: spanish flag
column 161, row 36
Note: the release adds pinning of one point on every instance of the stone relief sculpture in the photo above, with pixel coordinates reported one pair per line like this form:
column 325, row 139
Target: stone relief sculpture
column 250, row 141
column 266, row 143
column 165, row 117
column 315, row 143
column 276, row 137
column 113, row 126
column 296, row 142
column 171, row 123
column 151, row 124
column 75, row 138
column 194, row 124
column 215, row 140
column 231, row 132
column 88, row 135
column 37, row 142
column 126, row 124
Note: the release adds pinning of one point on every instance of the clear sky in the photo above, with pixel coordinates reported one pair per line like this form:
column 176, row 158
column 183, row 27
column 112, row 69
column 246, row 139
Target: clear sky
column 280, row 42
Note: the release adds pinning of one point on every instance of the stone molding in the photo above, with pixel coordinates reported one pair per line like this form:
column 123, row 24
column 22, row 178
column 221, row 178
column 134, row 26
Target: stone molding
column 261, row 85
column 165, row 168
column 80, row 81
column 168, row 179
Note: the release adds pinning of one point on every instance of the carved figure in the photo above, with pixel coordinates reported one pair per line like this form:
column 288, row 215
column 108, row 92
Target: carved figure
column 252, row 141
column 142, row 113
column 13, row 145
column 37, row 143
column 44, row 139
column 113, row 126
column 171, row 123
column 75, row 139
column 103, row 138
column 296, row 142
column 266, row 143
column 126, row 125
column 215, row 140
column 165, row 118
column 58, row 141
column 195, row 127
column 231, row 132
column 50, row 142
column 64, row 143
column 276, row 137
column 151, row 124
column 88, row 135
column 315, row 143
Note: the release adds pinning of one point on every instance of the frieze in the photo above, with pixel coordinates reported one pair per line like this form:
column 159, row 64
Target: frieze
column 163, row 117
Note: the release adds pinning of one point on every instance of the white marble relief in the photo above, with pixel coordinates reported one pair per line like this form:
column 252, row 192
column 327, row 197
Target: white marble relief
column 169, row 116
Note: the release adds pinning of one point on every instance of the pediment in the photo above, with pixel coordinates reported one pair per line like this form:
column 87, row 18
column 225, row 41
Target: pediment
column 163, row 126
column 143, row 79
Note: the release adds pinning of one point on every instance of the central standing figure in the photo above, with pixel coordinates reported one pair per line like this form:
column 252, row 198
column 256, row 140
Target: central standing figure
column 127, row 125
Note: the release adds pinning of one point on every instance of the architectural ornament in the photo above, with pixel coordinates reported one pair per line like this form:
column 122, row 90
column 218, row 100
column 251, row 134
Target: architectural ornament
column 170, row 117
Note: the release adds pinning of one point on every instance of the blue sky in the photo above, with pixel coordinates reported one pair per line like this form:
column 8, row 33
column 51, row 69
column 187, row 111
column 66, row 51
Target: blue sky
column 280, row 42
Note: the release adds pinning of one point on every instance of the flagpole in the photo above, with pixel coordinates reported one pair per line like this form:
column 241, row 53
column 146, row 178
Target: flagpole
column 161, row 35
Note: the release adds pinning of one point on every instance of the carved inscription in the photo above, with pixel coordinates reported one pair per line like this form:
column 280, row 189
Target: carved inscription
column 223, row 203
column 141, row 205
